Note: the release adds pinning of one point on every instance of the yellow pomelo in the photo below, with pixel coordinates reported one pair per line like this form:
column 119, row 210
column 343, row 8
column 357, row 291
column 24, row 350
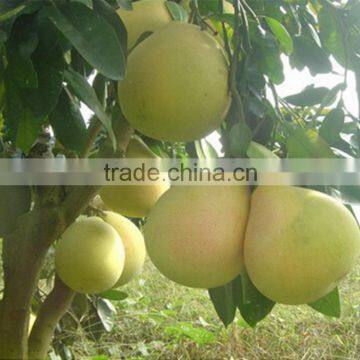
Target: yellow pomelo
column 134, row 200
column 176, row 88
column 134, row 245
column 145, row 16
column 299, row 243
column 194, row 234
column 90, row 256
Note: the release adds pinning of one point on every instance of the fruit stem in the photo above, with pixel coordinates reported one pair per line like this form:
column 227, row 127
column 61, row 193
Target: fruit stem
column 94, row 130
column 234, row 65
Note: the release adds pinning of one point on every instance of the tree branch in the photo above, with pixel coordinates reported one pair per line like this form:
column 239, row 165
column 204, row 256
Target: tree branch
column 23, row 253
column 357, row 77
column 94, row 130
column 234, row 64
column 53, row 309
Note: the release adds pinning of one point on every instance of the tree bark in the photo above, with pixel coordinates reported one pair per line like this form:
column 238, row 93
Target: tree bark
column 51, row 312
column 23, row 254
column 25, row 248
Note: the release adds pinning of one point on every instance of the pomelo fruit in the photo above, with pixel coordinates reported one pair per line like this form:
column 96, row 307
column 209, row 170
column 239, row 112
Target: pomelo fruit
column 134, row 244
column 134, row 200
column 176, row 88
column 90, row 256
column 194, row 234
column 145, row 16
column 299, row 243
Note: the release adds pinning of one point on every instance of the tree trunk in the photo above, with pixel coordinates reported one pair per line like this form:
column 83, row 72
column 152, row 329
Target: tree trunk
column 23, row 255
column 52, row 310
column 24, row 251
column 16, row 309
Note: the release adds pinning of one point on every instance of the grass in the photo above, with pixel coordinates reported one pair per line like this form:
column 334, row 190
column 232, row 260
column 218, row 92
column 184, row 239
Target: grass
column 162, row 320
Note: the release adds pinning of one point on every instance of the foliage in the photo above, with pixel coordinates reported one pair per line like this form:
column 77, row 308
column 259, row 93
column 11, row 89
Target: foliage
column 56, row 55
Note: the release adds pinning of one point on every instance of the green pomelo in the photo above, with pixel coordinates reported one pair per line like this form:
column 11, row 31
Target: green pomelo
column 134, row 245
column 194, row 234
column 145, row 16
column 90, row 256
column 299, row 243
column 176, row 88
column 134, row 200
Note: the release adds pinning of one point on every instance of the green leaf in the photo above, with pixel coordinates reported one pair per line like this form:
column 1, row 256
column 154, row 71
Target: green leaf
column 186, row 330
column 282, row 35
column 350, row 194
column 13, row 108
column 85, row 93
column 106, row 313
column 257, row 106
column 259, row 151
column 68, row 124
column 100, row 357
column 330, row 97
column 27, row 109
column 80, row 305
column 49, row 66
column 253, row 305
column 114, row 295
column 328, row 305
column 310, row 96
column 28, row 130
column 21, row 44
column 22, row 71
column 3, row 37
column 240, row 139
column 332, row 125
column 266, row 55
column 125, row 4
column 223, row 300
column 304, row 144
column 209, row 7
column 11, row 13
column 177, row 12
column 205, row 150
column 331, row 33
column 109, row 13
column 308, row 53
column 91, row 35
column 141, row 38
column 100, row 88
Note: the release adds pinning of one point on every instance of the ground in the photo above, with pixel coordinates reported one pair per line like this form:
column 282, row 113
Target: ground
column 162, row 320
